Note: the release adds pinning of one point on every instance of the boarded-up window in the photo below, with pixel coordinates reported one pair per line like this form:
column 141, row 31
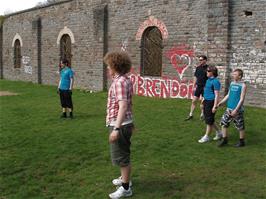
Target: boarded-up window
column 151, row 52
column 17, row 54
column 65, row 48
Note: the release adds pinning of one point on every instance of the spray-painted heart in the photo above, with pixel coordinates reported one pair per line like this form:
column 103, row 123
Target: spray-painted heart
column 180, row 58
column 180, row 63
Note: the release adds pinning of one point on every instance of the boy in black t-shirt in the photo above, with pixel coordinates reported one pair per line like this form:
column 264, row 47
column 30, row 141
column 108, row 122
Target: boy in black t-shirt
column 200, row 78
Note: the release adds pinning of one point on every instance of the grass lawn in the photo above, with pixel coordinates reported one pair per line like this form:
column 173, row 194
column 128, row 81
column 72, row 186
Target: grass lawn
column 43, row 156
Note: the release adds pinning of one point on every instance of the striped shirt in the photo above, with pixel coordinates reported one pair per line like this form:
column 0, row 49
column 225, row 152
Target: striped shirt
column 121, row 89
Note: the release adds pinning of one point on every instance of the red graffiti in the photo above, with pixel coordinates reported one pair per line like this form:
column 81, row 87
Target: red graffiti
column 162, row 88
column 152, row 22
column 181, row 58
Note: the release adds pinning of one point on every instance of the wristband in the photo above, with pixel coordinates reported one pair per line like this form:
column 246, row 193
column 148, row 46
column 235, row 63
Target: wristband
column 116, row 129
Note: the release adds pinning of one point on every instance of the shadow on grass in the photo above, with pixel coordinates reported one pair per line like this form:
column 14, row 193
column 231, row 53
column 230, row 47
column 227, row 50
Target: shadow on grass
column 157, row 186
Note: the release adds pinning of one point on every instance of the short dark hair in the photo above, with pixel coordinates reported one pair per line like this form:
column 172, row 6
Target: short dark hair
column 203, row 57
column 240, row 72
column 66, row 62
column 119, row 61
column 214, row 70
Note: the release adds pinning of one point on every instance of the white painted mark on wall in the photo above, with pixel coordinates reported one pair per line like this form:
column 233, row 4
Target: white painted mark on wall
column 124, row 45
column 28, row 69
column 27, row 65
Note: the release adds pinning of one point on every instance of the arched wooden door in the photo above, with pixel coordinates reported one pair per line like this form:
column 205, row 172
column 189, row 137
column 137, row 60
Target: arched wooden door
column 65, row 48
column 151, row 52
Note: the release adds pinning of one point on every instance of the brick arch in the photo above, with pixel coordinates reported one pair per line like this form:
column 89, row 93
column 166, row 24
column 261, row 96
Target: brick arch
column 17, row 36
column 65, row 31
column 152, row 21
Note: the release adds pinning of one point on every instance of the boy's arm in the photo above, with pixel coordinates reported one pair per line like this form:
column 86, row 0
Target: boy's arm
column 216, row 92
column 58, row 87
column 71, row 83
column 120, row 118
column 241, row 101
column 224, row 99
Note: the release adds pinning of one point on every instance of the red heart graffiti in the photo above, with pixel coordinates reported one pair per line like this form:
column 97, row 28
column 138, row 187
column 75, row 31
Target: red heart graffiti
column 180, row 59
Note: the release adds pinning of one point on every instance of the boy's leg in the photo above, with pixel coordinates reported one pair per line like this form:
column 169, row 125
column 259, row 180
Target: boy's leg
column 201, row 110
column 125, row 173
column 209, row 120
column 240, row 125
column 192, row 108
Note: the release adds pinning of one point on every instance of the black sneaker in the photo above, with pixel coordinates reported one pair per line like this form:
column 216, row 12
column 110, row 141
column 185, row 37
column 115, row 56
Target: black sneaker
column 189, row 118
column 71, row 115
column 223, row 142
column 64, row 115
column 240, row 144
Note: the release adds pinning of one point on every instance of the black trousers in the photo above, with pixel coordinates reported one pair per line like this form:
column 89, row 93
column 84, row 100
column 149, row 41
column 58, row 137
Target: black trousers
column 66, row 98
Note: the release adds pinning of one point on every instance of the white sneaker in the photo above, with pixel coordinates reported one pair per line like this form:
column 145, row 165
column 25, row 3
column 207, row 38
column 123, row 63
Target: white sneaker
column 204, row 139
column 218, row 136
column 118, row 182
column 121, row 192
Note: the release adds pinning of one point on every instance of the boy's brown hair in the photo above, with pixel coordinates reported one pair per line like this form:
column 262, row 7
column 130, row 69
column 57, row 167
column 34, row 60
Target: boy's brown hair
column 240, row 72
column 118, row 61
column 214, row 70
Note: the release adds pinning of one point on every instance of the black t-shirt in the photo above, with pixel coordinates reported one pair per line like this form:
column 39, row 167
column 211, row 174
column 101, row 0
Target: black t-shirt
column 201, row 75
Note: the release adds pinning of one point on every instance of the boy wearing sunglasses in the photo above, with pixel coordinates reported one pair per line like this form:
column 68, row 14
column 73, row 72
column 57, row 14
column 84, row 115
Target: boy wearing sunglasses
column 210, row 102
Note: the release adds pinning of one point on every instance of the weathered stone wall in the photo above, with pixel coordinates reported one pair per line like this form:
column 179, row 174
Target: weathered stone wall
column 87, row 47
column 217, row 28
column 247, row 51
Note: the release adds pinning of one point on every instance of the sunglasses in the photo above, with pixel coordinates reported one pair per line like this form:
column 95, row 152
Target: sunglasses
column 209, row 71
column 201, row 59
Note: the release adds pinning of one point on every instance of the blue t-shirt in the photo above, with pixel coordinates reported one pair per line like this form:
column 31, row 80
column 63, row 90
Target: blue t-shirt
column 66, row 74
column 235, row 90
column 211, row 85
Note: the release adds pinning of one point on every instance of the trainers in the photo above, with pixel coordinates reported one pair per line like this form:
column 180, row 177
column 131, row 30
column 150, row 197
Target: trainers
column 204, row 139
column 189, row 118
column 64, row 115
column 71, row 115
column 118, row 182
column 218, row 136
column 223, row 142
column 240, row 144
column 121, row 192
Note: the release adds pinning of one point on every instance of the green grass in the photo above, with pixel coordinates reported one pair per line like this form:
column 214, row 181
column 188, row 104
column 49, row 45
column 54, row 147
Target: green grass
column 42, row 156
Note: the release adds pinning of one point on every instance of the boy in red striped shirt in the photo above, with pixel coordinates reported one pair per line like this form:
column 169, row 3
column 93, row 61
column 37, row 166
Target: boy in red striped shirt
column 119, row 119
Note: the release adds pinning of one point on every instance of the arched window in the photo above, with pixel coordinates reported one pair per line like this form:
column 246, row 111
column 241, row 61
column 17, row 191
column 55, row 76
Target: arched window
column 65, row 48
column 17, row 54
column 151, row 52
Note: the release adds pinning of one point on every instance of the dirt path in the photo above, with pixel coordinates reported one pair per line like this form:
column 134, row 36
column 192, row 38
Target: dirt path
column 7, row 93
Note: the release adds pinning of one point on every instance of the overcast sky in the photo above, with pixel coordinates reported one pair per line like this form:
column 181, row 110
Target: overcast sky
column 16, row 5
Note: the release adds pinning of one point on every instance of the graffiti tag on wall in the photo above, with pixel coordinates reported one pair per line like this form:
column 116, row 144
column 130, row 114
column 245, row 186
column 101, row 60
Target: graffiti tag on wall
column 27, row 65
column 181, row 57
column 161, row 87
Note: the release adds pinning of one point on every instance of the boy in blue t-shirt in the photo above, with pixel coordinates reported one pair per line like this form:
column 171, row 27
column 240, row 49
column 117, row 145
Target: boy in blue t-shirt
column 235, row 110
column 211, row 97
column 65, row 87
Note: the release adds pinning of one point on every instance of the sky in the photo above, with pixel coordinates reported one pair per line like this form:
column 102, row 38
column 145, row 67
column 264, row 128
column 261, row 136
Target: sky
column 16, row 5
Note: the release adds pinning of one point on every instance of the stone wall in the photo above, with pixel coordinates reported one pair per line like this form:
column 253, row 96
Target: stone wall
column 223, row 30
column 247, row 51
column 87, row 46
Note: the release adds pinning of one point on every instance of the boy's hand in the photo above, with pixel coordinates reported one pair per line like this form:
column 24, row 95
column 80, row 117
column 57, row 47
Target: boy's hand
column 233, row 113
column 113, row 136
column 58, row 91
column 214, row 109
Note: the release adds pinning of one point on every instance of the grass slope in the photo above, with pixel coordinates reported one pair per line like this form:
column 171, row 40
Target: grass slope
column 43, row 156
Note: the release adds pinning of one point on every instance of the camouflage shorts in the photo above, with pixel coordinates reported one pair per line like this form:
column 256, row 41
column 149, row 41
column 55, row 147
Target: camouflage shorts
column 238, row 120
